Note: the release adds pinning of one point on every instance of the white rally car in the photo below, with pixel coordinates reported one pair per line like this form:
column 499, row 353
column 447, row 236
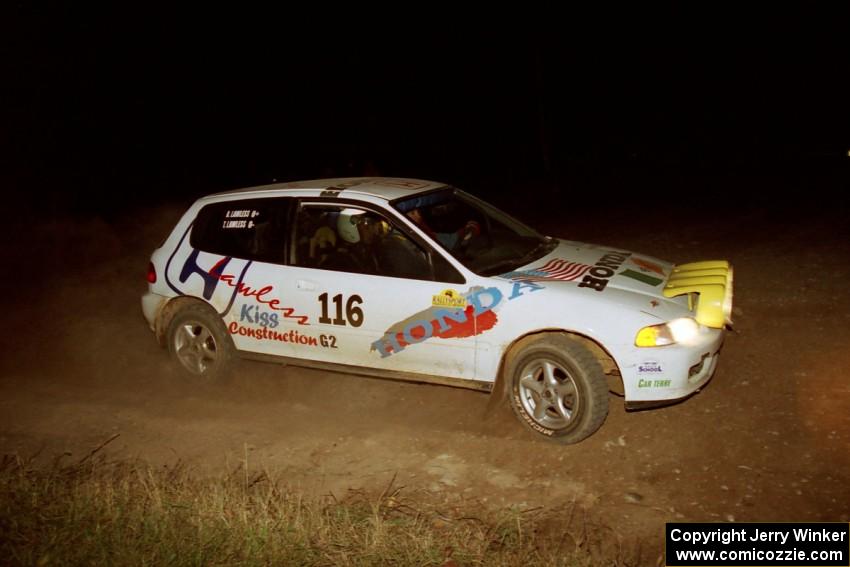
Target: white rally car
column 416, row 280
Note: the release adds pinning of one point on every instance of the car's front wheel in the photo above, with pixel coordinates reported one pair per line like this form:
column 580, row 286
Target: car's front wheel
column 198, row 341
column 557, row 388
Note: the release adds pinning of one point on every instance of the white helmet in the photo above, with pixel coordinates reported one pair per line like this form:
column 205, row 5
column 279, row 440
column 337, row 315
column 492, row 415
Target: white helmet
column 346, row 225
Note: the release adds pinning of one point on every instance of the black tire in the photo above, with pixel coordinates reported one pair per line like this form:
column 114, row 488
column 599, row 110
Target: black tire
column 557, row 388
column 199, row 343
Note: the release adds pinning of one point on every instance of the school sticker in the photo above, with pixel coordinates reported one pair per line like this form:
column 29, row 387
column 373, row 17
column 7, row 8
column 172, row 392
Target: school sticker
column 649, row 367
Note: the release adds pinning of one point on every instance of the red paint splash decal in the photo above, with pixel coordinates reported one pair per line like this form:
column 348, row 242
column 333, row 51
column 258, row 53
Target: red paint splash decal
column 477, row 317
column 473, row 325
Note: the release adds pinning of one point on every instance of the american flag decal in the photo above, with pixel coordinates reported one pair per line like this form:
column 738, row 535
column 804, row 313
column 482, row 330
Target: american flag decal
column 553, row 270
column 563, row 269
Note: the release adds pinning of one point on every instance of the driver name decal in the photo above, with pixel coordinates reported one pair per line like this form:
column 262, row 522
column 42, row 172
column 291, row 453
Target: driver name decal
column 241, row 216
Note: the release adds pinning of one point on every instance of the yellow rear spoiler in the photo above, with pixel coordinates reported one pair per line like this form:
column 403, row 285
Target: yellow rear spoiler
column 712, row 280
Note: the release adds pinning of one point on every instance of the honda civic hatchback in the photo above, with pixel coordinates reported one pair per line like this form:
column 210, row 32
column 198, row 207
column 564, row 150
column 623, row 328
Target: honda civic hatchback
column 416, row 280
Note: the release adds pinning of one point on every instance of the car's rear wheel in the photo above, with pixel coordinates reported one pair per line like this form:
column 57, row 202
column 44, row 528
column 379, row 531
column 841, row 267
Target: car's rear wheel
column 199, row 342
column 557, row 388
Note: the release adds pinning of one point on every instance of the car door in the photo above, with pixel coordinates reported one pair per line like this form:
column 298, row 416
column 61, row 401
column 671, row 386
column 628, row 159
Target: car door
column 233, row 257
column 373, row 301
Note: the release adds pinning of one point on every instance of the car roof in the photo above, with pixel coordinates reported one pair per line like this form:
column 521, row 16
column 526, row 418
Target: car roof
column 387, row 188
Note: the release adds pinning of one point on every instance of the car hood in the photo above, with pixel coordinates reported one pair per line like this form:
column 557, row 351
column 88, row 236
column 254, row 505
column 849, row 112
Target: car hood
column 599, row 268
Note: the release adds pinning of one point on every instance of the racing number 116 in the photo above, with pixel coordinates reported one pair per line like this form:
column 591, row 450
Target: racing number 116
column 352, row 312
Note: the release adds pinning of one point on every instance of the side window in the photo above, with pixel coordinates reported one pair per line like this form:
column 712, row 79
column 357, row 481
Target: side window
column 254, row 229
column 352, row 239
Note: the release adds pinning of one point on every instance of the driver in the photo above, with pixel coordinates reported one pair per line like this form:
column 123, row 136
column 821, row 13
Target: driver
column 356, row 255
column 378, row 248
column 450, row 240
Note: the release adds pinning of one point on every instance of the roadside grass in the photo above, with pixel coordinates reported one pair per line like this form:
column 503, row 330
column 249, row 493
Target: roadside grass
column 103, row 512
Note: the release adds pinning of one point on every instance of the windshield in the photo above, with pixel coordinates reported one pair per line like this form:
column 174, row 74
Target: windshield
column 480, row 236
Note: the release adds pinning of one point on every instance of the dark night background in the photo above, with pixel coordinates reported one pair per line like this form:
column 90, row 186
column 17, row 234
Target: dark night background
column 683, row 131
column 104, row 111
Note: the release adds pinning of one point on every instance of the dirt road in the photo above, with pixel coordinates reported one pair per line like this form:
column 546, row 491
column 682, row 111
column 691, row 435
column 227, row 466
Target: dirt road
column 767, row 440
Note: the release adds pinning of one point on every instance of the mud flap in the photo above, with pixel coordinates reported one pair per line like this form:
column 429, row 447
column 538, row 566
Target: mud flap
column 498, row 395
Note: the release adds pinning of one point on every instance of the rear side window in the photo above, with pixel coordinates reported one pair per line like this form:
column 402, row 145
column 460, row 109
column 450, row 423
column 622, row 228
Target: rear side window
column 253, row 229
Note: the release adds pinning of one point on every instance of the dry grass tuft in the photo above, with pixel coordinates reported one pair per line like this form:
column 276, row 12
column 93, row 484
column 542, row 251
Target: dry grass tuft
column 97, row 511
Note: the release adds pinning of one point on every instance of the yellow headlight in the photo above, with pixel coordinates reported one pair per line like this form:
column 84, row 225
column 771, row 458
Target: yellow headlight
column 682, row 331
column 656, row 335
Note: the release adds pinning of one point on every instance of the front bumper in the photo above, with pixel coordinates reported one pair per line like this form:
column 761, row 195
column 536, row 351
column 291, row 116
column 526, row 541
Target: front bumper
column 666, row 374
